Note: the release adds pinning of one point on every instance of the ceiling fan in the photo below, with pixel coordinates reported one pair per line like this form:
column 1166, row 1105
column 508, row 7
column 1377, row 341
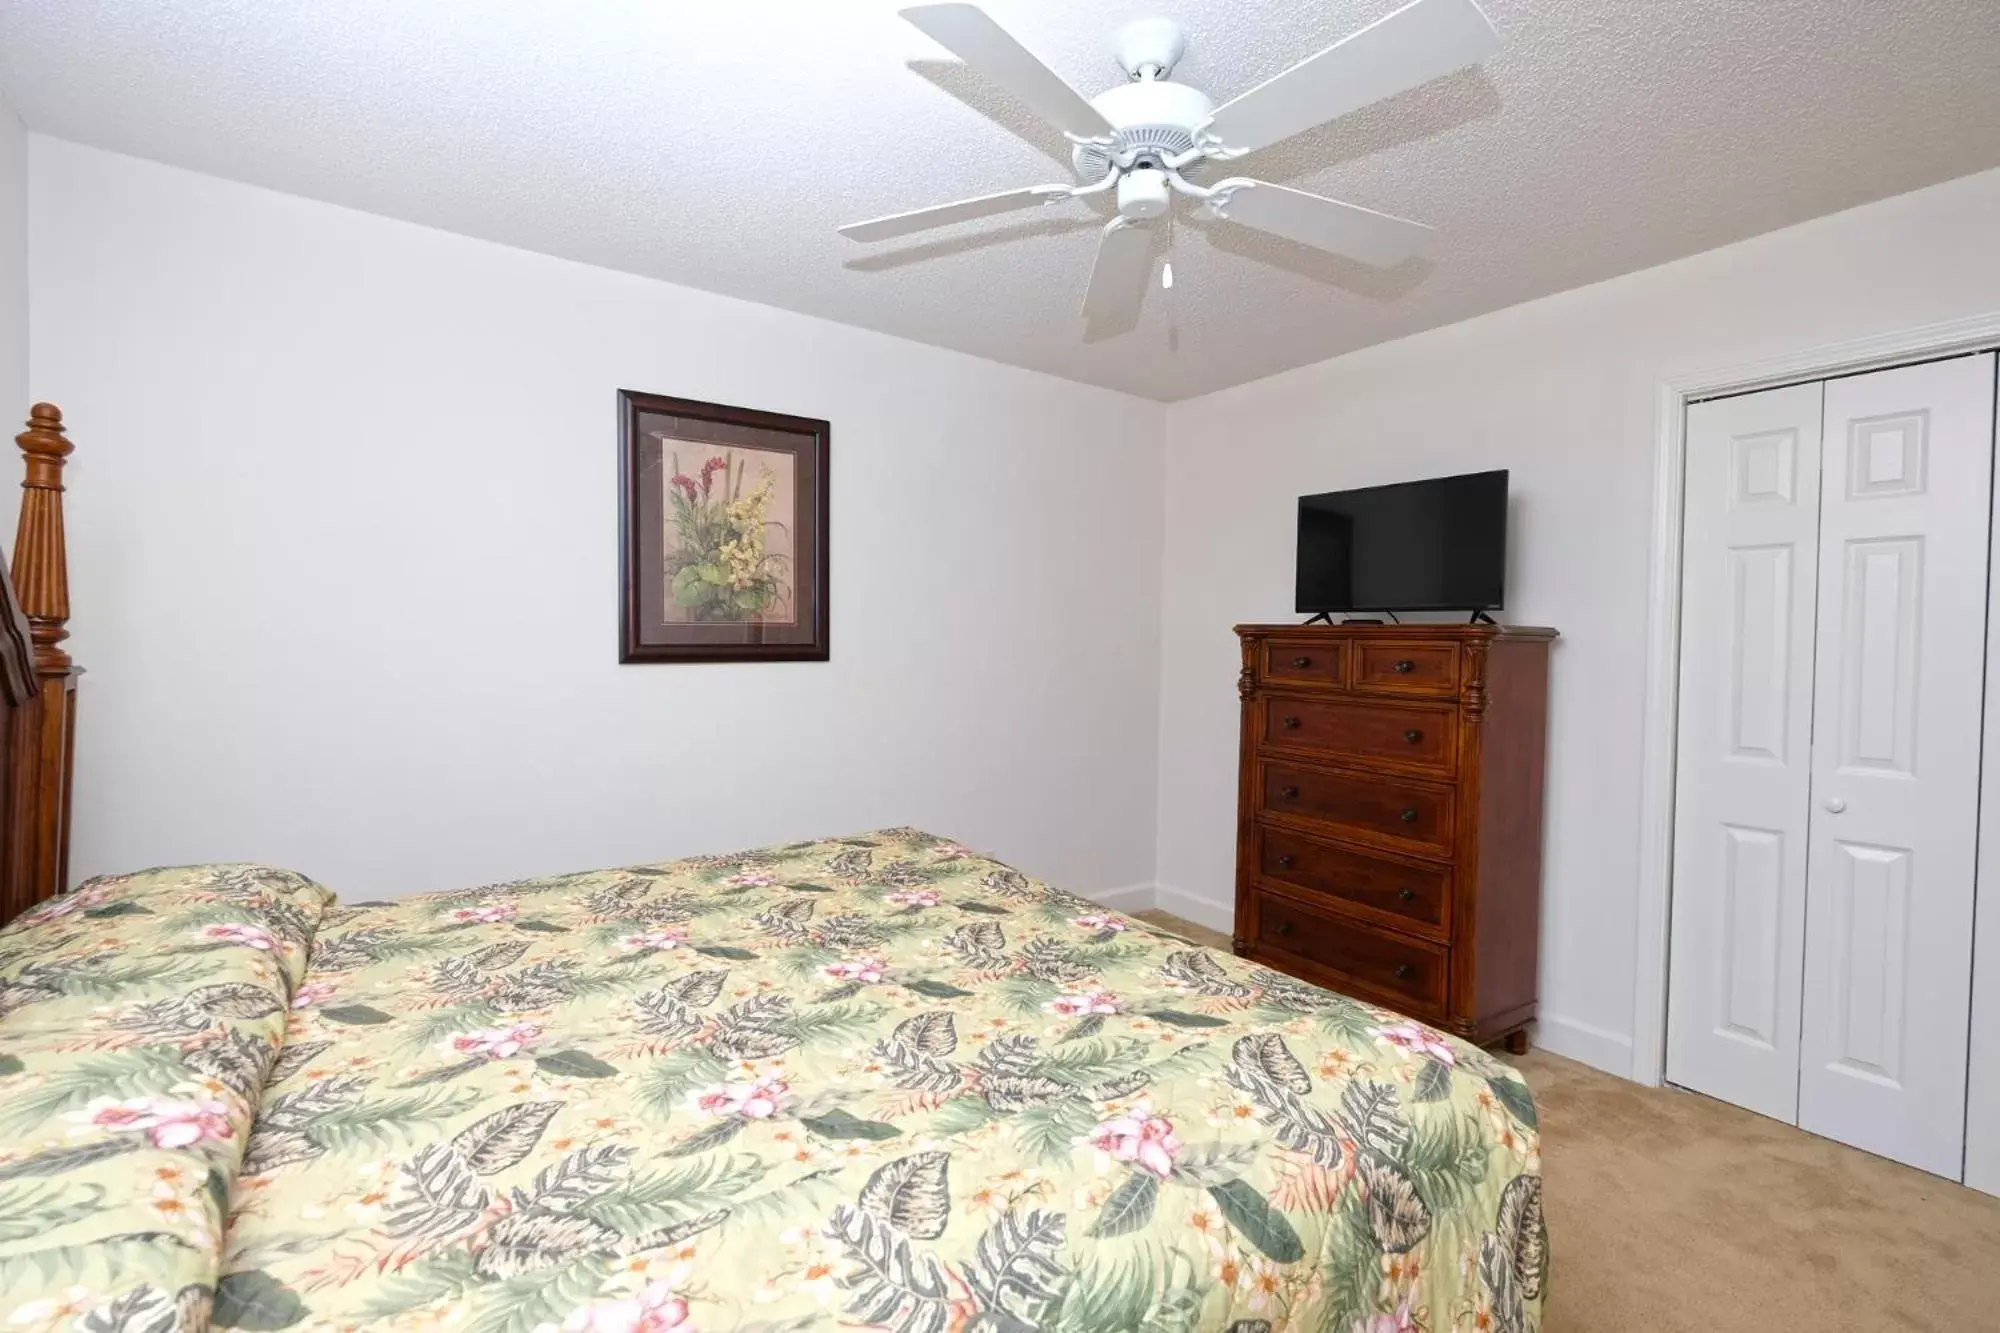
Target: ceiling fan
column 1151, row 138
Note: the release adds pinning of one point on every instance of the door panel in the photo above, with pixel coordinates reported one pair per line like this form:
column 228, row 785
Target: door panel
column 1742, row 786
column 1868, row 903
column 1900, row 664
column 1753, row 888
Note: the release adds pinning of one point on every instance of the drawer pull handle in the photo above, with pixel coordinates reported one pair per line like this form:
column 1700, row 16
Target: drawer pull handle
column 1288, row 793
column 1406, row 895
column 1285, row 861
column 1302, row 661
column 1284, row 927
column 1405, row 667
column 1413, row 735
column 1410, row 815
column 1291, row 723
column 1404, row 971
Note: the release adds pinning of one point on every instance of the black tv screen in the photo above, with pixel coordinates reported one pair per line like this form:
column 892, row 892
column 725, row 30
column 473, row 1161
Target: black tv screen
column 1438, row 545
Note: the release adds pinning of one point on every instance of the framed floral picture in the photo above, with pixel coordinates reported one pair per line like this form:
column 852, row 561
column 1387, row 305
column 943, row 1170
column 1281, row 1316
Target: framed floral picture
column 723, row 533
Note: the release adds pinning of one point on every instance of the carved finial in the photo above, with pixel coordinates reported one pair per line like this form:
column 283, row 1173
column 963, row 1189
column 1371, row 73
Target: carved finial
column 41, row 577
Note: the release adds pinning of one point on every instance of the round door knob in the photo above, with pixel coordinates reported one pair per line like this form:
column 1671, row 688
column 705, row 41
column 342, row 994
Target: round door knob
column 1834, row 805
column 1413, row 735
column 1406, row 666
column 1302, row 661
column 1288, row 793
column 1406, row 895
column 1291, row 723
column 1404, row 971
column 1284, row 927
column 1285, row 861
column 1410, row 816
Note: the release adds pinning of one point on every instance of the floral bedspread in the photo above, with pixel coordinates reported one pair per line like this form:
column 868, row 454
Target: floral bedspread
column 874, row 1082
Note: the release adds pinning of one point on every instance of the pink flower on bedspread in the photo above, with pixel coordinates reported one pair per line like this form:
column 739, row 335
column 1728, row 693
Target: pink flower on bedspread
column 166, row 1123
column 867, row 969
column 1074, row 1006
column 1140, row 1137
column 312, row 993
column 487, row 913
column 651, row 940
column 64, row 904
column 498, row 1043
column 913, row 898
column 950, row 851
column 753, row 1101
column 752, row 879
column 653, row 1310
column 1103, row 921
column 238, row 932
column 1418, row 1040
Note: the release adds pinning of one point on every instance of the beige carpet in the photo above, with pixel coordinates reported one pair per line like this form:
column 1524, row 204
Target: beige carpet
column 1668, row 1212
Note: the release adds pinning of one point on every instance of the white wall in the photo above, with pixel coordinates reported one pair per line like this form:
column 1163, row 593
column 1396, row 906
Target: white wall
column 13, row 271
column 343, row 550
column 1562, row 392
column 344, row 560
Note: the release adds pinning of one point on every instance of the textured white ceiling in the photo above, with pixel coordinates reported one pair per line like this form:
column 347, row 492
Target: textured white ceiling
column 718, row 143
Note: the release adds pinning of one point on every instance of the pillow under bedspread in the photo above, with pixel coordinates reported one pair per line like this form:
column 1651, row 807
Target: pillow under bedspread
column 139, row 1017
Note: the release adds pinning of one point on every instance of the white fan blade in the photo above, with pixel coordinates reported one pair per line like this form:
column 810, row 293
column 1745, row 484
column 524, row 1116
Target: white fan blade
column 968, row 33
column 1118, row 278
column 1414, row 45
column 1325, row 224
column 922, row 219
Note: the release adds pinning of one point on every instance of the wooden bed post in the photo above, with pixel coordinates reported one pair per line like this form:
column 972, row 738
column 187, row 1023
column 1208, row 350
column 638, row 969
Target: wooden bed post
column 41, row 587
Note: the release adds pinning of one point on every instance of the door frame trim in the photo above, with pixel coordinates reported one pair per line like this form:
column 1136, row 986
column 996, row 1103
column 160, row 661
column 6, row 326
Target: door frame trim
column 1663, row 632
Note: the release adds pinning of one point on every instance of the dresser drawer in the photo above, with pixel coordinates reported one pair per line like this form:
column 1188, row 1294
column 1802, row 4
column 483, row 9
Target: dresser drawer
column 1418, row 896
column 1305, row 663
column 1385, row 810
column 1378, row 960
column 1411, row 668
column 1408, row 735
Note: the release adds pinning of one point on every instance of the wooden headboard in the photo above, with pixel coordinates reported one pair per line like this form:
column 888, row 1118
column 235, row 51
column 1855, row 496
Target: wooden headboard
column 37, row 680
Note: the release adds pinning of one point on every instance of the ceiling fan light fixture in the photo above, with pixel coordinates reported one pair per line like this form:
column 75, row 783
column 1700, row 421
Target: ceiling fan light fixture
column 1143, row 194
column 1150, row 138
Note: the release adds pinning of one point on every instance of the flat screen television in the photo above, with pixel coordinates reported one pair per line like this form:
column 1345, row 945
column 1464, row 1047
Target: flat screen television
column 1437, row 545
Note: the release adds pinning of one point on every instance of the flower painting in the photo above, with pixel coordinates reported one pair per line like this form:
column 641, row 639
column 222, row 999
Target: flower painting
column 724, row 515
column 729, row 548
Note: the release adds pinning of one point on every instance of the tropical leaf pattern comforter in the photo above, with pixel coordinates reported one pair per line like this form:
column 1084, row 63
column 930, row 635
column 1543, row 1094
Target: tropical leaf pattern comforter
column 873, row 1082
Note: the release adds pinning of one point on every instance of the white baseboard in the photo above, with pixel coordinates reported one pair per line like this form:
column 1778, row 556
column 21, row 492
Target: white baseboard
column 1600, row 1048
column 1131, row 898
column 1189, row 907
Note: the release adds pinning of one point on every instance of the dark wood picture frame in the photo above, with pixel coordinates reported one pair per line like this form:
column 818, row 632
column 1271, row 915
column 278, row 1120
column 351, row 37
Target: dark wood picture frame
column 645, row 634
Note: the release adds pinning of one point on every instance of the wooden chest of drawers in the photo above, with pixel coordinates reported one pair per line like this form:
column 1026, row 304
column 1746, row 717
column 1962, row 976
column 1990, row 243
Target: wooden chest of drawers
column 1389, row 827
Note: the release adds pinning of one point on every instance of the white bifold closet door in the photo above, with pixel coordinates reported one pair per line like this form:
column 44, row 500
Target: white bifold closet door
column 1743, row 786
column 1834, row 625
column 1899, row 684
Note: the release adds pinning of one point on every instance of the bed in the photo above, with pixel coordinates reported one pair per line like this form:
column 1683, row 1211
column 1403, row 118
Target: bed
column 875, row 1081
